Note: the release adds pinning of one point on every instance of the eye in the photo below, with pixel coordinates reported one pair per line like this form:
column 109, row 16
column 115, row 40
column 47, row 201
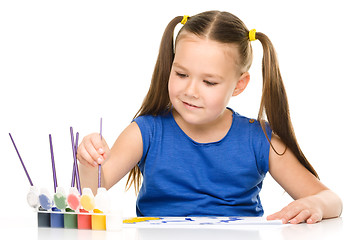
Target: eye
column 181, row 75
column 208, row 83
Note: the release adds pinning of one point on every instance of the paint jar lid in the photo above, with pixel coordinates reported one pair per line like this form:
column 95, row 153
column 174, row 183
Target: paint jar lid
column 88, row 192
column 102, row 200
column 33, row 197
column 73, row 190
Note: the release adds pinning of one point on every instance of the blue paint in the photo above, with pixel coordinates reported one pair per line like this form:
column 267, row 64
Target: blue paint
column 56, row 219
column 45, row 201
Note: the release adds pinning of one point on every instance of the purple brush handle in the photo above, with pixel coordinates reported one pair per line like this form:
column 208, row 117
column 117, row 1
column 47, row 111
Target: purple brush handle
column 73, row 153
column 100, row 166
column 100, row 132
column 53, row 163
column 77, row 172
column 23, row 165
column 99, row 175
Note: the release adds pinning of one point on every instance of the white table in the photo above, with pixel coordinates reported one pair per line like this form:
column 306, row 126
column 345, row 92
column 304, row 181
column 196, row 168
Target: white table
column 338, row 228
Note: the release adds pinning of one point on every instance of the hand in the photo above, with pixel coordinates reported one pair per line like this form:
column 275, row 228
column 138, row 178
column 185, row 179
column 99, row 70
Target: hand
column 302, row 210
column 93, row 150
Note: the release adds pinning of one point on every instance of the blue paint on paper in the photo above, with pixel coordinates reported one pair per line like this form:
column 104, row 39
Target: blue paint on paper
column 174, row 221
column 231, row 219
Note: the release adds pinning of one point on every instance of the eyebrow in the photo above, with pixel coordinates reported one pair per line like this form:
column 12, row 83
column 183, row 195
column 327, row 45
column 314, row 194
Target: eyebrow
column 205, row 74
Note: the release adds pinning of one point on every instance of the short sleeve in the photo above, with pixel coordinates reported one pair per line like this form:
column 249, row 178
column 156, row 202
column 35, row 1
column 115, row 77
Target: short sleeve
column 261, row 145
column 145, row 123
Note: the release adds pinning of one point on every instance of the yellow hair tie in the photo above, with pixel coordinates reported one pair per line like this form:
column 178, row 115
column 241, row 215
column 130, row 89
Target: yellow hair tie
column 252, row 34
column 185, row 19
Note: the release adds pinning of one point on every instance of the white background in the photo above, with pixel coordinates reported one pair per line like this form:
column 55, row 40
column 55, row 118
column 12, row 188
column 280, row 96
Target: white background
column 68, row 63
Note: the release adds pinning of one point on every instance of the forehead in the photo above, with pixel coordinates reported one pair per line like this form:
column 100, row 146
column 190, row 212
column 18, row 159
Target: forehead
column 227, row 48
column 193, row 50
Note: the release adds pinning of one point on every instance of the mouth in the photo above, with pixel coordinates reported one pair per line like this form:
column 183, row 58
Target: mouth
column 189, row 105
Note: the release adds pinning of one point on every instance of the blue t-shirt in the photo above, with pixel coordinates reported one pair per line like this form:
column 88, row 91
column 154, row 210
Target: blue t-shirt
column 182, row 177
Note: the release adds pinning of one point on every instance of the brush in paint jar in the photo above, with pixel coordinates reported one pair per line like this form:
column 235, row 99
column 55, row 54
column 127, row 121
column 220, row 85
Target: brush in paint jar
column 75, row 174
column 59, row 192
column 45, row 199
column 73, row 198
column 33, row 194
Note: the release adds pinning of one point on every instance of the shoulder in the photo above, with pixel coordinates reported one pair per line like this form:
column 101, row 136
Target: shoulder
column 251, row 124
column 151, row 126
column 150, row 121
column 253, row 133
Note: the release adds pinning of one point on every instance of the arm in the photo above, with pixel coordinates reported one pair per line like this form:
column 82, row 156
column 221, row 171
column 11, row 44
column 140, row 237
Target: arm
column 312, row 200
column 116, row 162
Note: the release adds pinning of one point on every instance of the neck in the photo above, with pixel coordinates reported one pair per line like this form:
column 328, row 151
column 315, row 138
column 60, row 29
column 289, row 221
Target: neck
column 209, row 132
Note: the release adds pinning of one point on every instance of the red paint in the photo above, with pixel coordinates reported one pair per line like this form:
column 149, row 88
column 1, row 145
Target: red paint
column 84, row 220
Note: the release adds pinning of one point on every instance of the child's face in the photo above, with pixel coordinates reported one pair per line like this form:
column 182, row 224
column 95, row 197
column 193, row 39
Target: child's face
column 203, row 78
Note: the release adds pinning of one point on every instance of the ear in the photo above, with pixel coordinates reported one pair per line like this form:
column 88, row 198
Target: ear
column 241, row 84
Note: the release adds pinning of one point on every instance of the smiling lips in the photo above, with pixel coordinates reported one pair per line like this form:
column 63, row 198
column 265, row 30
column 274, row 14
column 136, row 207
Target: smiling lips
column 189, row 105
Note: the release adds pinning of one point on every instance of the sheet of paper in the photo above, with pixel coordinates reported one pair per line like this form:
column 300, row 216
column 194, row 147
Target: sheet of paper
column 198, row 221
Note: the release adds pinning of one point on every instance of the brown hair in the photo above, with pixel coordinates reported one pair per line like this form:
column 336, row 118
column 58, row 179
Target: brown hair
column 224, row 27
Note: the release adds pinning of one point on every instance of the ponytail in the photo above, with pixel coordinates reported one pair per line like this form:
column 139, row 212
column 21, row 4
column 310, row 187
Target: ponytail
column 157, row 99
column 275, row 103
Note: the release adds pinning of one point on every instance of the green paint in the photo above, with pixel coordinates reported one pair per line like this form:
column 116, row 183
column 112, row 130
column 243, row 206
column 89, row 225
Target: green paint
column 70, row 220
column 60, row 201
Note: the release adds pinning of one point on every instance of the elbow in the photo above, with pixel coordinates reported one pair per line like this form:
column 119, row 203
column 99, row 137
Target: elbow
column 333, row 205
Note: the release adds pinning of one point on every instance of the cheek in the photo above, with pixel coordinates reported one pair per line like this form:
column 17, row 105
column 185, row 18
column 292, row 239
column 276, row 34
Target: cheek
column 174, row 86
column 171, row 87
column 218, row 99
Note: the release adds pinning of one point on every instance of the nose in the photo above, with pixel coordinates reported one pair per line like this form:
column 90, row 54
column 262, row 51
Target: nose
column 191, row 89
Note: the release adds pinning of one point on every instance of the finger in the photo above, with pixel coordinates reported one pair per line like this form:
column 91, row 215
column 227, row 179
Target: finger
column 290, row 214
column 301, row 217
column 274, row 216
column 85, row 158
column 92, row 151
column 278, row 215
column 97, row 143
column 101, row 147
column 314, row 218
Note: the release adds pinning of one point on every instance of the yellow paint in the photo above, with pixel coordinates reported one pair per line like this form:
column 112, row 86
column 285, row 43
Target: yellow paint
column 87, row 202
column 139, row 219
column 97, row 211
column 98, row 221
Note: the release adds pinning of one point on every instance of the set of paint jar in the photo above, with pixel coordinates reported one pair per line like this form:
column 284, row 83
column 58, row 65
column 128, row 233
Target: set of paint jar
column 73, row 211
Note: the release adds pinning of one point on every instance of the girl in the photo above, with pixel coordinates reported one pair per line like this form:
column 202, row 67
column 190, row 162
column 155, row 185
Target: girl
column 197, row 156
